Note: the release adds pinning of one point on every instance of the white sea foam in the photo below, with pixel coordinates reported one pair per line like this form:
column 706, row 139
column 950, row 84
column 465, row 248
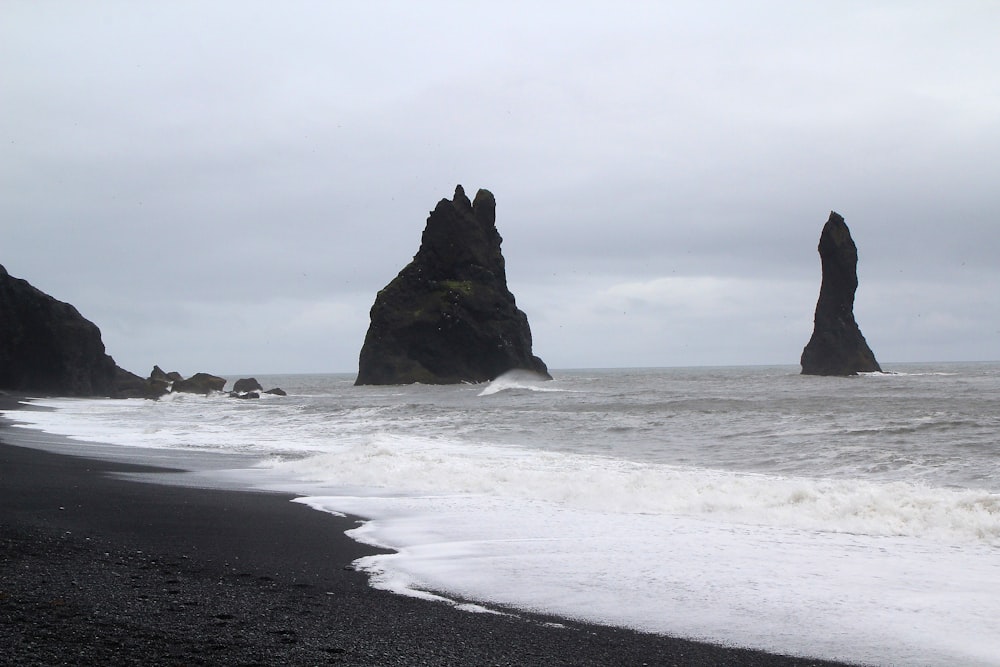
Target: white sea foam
column 851, row 597
column 421, row 466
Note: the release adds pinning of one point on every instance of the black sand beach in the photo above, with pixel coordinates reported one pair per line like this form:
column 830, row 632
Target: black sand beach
column 99, row 570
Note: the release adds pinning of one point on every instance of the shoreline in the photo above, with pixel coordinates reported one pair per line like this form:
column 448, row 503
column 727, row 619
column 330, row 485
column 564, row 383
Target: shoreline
column 95, row 568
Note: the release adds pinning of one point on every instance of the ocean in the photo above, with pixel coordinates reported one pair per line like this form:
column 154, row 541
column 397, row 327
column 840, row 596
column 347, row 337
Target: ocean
column 853, row 518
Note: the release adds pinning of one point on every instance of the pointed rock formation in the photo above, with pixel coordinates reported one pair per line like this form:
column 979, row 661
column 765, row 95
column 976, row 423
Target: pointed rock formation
column 47, row 346
column 448, row 316
column 837, row 346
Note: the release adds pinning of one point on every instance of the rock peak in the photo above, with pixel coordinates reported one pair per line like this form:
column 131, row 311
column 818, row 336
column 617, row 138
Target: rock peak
column 837, row 346
column 484, row 207
column 448, row 316
column 460, row 200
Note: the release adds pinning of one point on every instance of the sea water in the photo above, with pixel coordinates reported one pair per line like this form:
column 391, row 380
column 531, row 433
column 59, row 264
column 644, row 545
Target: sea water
column 847, row 518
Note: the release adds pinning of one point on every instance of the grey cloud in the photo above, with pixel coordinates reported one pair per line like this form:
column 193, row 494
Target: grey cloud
column 224, row 164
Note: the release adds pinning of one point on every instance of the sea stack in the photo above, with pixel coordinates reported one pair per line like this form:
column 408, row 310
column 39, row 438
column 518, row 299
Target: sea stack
column 837, row 346
column 448, row 316
column 48, row 347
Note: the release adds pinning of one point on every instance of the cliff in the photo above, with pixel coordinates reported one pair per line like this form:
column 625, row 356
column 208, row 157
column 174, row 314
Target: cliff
column 837, row 346
column 47, row 347
column 448, row 317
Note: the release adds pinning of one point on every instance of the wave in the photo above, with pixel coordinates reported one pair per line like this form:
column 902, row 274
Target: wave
column 593, row 483
column 882, row 374
column 352, row 448
column 519, row 379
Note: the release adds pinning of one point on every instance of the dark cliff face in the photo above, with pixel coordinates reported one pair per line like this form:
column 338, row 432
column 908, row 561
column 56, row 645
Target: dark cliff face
column 837, row 346
column 46, row 346
column 448, row 316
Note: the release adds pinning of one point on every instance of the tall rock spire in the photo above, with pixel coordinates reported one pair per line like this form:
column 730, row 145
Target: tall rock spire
column 837, row 346
column 448, row 316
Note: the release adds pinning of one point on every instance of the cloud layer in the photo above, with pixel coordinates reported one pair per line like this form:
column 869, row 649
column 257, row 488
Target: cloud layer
column 225, row 186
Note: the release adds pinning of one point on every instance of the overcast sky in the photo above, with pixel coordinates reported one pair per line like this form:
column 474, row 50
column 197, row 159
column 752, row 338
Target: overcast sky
column 224, row 186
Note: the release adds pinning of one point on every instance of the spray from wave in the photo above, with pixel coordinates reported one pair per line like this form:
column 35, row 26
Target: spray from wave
column 519, row 379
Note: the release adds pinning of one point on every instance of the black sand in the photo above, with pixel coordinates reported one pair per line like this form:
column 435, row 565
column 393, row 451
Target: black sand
column 100, row 570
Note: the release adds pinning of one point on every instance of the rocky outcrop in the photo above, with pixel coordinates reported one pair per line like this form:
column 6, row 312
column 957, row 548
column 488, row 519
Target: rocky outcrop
column 199, row 383
column 251, row 388
column 246, row 388
column 448, row 316
column 160, row 383
column 48, row 347
column 158, row 374
column 244, row 385
column 837, row 346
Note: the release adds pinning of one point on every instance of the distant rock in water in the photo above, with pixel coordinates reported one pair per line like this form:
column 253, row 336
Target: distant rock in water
column 47, row 346
column 251, row 388
column 199, row 383
column 837, row 346
column 159, row 375
column 160, row 384
column 448, row 316
column 244, row 385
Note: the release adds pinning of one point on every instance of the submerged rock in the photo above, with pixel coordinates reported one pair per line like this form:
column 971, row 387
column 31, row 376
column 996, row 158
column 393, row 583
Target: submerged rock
column 47, row 346
column 245, row 394
column 448, row 317
column 837, row 346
